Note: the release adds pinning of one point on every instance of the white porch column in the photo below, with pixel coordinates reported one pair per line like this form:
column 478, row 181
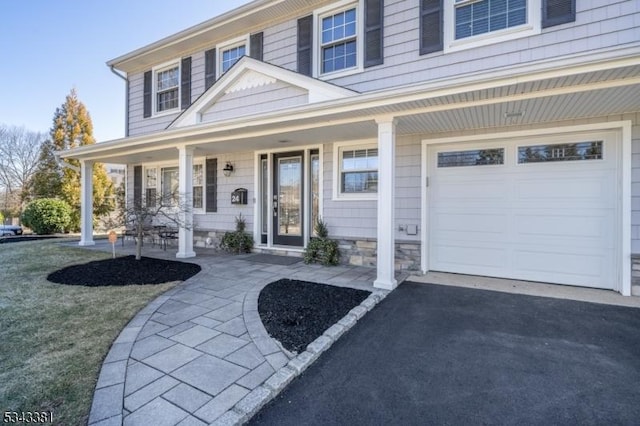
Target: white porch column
column 185, row 189
column 386, row 203
column 86, row 203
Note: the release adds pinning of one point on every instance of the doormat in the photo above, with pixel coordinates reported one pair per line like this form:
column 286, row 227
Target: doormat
column 273, row 259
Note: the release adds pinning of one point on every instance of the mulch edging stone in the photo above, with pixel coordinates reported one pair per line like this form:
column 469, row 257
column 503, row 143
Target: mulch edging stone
column 123, row 271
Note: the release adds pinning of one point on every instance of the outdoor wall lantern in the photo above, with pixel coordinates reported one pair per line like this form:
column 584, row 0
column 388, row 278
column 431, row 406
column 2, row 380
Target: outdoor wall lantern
column 228, row 169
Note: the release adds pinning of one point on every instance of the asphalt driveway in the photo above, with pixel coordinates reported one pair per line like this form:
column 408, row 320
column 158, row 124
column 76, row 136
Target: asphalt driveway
column 432, row 354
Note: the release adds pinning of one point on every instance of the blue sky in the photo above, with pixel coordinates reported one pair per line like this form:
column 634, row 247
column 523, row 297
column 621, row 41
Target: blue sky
column 49, row 47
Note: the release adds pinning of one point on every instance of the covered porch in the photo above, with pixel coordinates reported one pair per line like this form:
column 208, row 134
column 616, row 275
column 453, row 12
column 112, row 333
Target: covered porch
column 516, row 99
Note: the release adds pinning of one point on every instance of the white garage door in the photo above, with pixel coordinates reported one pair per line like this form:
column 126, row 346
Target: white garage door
column 537, row 209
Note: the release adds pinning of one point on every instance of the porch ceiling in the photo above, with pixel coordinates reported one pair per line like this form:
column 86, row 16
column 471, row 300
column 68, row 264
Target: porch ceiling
column 419, row 110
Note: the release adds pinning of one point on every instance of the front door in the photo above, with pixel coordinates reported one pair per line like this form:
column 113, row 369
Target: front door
column 288, row 186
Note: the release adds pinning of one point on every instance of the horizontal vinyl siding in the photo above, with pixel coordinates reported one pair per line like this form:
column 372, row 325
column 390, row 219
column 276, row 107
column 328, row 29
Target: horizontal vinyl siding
column 242, row 177
column 599, row 25
column 408, row 186
column 197, row 75
column 280, row 45
column 270, row 97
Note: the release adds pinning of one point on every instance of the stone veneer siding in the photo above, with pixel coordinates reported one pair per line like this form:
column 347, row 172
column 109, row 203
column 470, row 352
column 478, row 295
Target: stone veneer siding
column 635, row 274
column 362, row 252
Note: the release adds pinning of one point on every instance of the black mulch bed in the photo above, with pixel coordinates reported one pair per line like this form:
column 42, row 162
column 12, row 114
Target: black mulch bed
column 297, row 312
column 124, row 271
column 19, row 239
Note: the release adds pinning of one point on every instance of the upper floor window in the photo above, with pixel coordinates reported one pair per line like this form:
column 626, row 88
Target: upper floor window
column 167, row 88
column 475, row 23
column 474, row 17
column 231, row 56
column 339, row 49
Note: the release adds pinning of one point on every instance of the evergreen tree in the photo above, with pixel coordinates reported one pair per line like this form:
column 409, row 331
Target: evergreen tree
column 72, row 128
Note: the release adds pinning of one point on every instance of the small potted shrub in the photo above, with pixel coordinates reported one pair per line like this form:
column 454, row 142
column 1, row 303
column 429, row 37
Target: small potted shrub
column 238, row 241
column 321, row 249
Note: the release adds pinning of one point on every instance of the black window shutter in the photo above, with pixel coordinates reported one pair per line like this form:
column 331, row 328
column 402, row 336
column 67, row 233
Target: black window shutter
column 211, row 181
column 147, row 93
column 137, row 187
column 185, row 82
column 209, row 68
column 373, row 32
column 305, row 39
column 556, row 12
column 255, row 46
column 430, row 26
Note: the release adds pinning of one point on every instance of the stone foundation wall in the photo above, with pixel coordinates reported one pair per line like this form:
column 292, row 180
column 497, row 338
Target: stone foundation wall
column 207, row 238
column 635, row 275
column 363, row 252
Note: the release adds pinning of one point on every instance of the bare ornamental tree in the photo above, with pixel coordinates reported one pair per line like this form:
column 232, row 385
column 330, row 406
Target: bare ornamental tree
column 156, row 216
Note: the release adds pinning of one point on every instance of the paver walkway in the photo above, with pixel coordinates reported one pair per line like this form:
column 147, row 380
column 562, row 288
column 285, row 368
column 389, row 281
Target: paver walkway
column 200, row 350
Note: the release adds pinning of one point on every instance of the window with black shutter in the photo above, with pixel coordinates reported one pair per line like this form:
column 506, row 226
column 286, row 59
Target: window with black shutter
column 305, row 41
column 209, row 68
column 431, row 26
column 211, row 181
column 185, row 82
column 147, row 94
column 256, row 46
column 556, row 12
column 373, row 32
column 137, row 187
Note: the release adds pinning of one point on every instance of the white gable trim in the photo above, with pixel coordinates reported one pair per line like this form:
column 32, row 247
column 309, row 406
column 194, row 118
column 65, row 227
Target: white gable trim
column 248, row 73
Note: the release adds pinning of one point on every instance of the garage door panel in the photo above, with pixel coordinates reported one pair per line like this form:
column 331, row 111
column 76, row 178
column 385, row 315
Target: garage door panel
column 575, row 189
column 474, row 222
column 470, row 190
column 453, row 257
column 568, row 229
column 553, row 221
column 588, row 270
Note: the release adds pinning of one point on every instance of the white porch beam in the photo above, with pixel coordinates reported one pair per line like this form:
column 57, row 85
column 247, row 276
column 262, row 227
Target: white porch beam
column 185, row 189
column 86, row 203
column 386, row 203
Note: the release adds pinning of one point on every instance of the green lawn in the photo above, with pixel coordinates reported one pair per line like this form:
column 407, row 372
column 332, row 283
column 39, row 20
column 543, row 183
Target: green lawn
column 53, row 338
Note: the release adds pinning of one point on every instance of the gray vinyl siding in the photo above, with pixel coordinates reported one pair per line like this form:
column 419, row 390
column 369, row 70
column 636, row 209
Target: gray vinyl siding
column 600, row 25
column 280, row 46
column 242, row 177
column 271, row 97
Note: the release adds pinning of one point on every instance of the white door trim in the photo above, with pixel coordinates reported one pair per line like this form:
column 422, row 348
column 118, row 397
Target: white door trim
column 623, row 137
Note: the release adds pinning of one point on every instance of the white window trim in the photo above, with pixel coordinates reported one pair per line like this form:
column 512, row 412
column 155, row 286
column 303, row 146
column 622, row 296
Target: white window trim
column 317, row 45
column 166, row 164
column 532, row 27
column 230, row 44
column 338, row 147
column 154, row 86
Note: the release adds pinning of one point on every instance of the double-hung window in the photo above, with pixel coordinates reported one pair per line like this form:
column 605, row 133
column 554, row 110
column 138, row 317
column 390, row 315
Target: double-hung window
column 357, row 171
column 167, row 88
column 474, row 23
column 473, row 17
column 151, row 186
column 338, row 41
column 198, row 180
column 231, row 56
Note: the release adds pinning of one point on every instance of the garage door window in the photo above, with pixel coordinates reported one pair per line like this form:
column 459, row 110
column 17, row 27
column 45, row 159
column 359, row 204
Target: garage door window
column 560, row 152
column 476, row 157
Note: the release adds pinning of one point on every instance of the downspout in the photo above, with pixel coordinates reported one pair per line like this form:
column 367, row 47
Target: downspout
column 126, row 104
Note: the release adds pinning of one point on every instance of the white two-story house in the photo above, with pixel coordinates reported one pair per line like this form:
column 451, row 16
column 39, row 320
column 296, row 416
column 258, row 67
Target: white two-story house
column 487, row 137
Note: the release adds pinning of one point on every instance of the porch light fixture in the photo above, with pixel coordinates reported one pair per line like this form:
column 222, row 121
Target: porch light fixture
column 228, row 169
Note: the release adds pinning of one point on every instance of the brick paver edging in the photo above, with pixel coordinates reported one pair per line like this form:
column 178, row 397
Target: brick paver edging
column 256, row 399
